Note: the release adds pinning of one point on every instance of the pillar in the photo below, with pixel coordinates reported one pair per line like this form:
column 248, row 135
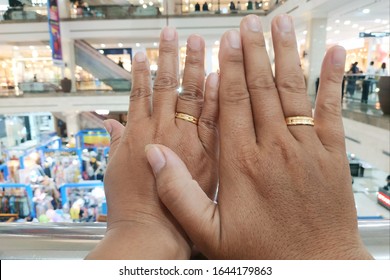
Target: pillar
column 69, row 59
column 72, row 123
column 63, row 8
column 315, row 49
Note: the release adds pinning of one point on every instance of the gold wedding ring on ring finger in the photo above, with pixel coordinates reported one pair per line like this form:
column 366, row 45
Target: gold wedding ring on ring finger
column 300, row 120
column 186, row 117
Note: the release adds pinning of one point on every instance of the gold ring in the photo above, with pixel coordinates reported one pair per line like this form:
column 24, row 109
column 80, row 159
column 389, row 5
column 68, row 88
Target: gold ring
column 186, row 117
column 300, row 120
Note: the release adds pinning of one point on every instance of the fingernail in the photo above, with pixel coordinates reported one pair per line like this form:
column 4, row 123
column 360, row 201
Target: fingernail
column 169, row 33
column 284, row 23
column 155, row 157
column 195, row 43
column 234, row 39
column 253, row 23
column 213, row 80
column 140, row 57
column 338, row 57
column 107, row 126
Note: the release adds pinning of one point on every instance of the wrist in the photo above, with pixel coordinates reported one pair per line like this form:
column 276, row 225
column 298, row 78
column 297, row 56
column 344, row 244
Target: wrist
column 129, row 240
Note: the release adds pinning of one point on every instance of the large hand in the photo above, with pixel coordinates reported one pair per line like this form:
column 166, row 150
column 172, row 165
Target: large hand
column 285, row 191
column 139, row 226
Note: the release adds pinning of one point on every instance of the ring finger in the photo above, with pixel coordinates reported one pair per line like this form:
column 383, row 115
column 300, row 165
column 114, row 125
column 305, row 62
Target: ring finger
column 289, row 76
column 190, row 101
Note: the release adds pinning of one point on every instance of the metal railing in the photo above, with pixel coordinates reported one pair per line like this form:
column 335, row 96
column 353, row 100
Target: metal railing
column 75, row 240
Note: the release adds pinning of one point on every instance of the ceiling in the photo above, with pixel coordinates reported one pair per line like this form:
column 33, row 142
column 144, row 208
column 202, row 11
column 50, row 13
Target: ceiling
column 345, row 19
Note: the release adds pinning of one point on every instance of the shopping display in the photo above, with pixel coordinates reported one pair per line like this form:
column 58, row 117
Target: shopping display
column 54, row 182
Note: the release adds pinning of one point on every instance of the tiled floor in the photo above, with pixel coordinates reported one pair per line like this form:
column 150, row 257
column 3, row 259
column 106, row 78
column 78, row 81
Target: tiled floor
column 365, row 191
column 365, row 188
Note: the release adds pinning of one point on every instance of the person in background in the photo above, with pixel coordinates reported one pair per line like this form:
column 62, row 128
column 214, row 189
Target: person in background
column 205, row 7
column 250, row 5
column 383, row 71
column 387, row 186
column 197, row 7
column 370, row 75
column 120, row 62
column 351, row 78
column 232, row 7
column 238, row 6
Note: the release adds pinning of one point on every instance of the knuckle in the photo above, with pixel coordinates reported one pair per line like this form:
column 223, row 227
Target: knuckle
column 235, row 57
column 257, row 43
column 332, row 107
column 167, row 49
column 139, row 93
column 165, row 81
column 208, row 123
column 291, row 82
column 192, row 92
column 262, row 81
column 334, row 78
column 194, row 60
column 234, row 93
column 167, row 191
column 247, row 160
column 115, row 140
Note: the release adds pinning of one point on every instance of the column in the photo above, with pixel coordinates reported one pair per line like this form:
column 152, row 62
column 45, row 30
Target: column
column 69, row 60
column 72, row 123
column 315, row 49
column 63, row 8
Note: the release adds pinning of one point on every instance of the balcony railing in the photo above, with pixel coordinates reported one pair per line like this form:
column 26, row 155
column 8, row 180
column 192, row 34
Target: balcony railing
column 75, row 240
column 136, row 10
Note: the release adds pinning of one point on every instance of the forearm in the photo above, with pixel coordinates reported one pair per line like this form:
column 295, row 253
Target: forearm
column 140, row 242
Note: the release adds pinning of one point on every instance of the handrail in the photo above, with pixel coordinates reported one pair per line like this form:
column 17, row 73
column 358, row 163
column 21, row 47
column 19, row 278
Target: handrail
column 75, row 240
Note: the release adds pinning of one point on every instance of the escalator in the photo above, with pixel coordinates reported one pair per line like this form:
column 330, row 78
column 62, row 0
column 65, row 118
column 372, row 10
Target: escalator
column 100, row 66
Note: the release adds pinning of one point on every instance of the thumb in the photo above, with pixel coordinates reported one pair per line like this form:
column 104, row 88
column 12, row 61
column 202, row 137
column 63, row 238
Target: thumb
column 183, row 196
column 115, row 129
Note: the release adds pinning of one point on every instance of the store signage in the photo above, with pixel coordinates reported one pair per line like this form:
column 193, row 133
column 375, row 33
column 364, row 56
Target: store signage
column 374, row 34
column 54, row 31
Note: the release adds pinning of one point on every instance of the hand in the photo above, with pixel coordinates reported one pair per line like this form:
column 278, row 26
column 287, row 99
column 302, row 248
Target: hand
column 285, row 191
column 139, row 226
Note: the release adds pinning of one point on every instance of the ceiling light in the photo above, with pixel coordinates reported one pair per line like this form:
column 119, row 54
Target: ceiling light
column 336, row 31
column 366, row 11
column 120, row 45
column 101, row 51
column 138, row 45
column 155, row 44
column 102, row 112
column 216, row 43
column 329, row 28
column 377, row 20
column 144, row 6
column 347, row 22
column 102, row 45
column 304, row 32
column 16, row 47
column 31, row 47
column 355, row 25
column 48, row 47
column 337, row 21
column 151, row 3
column 361, row 28
column 384, row 21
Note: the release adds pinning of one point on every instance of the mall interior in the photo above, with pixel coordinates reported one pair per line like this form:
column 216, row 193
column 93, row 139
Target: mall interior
column 65, row 67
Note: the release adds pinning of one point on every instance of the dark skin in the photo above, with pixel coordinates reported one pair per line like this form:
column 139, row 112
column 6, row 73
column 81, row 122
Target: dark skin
column 139, row 226
column 285, row 191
